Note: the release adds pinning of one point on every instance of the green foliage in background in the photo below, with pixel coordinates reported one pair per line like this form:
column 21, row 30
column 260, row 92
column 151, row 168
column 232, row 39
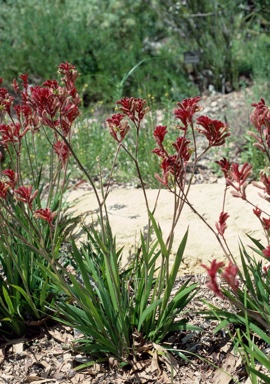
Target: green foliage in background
column 105, row 40
column 124, row 48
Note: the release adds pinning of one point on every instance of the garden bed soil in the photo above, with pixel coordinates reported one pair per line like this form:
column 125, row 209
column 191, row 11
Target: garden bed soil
column 50, row 357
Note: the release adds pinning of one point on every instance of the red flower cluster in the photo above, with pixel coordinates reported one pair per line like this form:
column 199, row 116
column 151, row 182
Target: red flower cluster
column 221, row 225
column 62, row 151
column 229, row 275
column 264, row 184
column 225, row 166
column 260, row 118
column 118, row 127
column 214, row 130
column 187, row 108
column 133, row 108
column 236, row 177
column 55, row 106
column 212, row 272
column 12, row 177
column 159, row 134
column 51, row 105
column 172, row 164
column 12, row 133
column 24, row 194
column 45, row 214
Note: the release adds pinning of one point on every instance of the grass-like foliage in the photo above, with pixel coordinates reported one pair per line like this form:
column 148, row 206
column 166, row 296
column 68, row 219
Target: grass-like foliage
column 33, row 220
column 121, row 312
column 248, row 285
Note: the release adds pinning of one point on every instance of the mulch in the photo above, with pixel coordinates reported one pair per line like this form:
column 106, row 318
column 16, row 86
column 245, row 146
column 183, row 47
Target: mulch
column 48, row 354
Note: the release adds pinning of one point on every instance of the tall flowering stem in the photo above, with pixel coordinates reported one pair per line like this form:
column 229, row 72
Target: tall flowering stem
column 260, row 118
column 133, row 111
column 52, row 107
column 178, row 168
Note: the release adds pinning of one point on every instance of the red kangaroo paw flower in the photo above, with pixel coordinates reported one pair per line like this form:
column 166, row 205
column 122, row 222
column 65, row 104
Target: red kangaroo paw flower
column 187, row 108
column 62, row 151
column 221, row 225
column 229, row 275
column 45, row 214
column 118, row 127
column 214, row 130
column 212, row 272
column 24, row 194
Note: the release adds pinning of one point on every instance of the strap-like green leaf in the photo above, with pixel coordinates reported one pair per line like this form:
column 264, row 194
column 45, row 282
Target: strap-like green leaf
column 148, row 312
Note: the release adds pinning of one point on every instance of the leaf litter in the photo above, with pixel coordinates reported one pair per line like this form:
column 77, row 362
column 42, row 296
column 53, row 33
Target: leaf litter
column 194, row 357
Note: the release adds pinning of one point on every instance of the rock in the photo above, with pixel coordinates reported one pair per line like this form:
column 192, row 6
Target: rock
column 128, row 217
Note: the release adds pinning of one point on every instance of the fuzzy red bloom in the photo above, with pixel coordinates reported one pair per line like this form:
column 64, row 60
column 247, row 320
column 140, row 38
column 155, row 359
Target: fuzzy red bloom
column 15, row 86
column 214, row 130
column 266, row 223
column 5, row 101
column 187, row 108
column 24, row 194
column 257, row 211
column 12, row 176
column 183, row 150
column 68, row 113
column 45, row 214
column 221, row 224
column 118, row 127
column 266, row 251
column 133, row 108
column 159, row 134
column 239, row 176
column 3, row 189
column 24, row 78
column 175, row 164
column 225, row 166
column 212, row 272
column 28, row 117
column 260, row 115
column 265, row 184
column 230, row 274
column 45, row 102
column 70, row 74
column 169, row 165
column 62, row 151
column 53, row 84
column 12, row 133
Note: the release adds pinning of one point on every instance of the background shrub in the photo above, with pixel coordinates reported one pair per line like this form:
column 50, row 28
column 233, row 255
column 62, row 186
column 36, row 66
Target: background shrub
column 107, row 39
